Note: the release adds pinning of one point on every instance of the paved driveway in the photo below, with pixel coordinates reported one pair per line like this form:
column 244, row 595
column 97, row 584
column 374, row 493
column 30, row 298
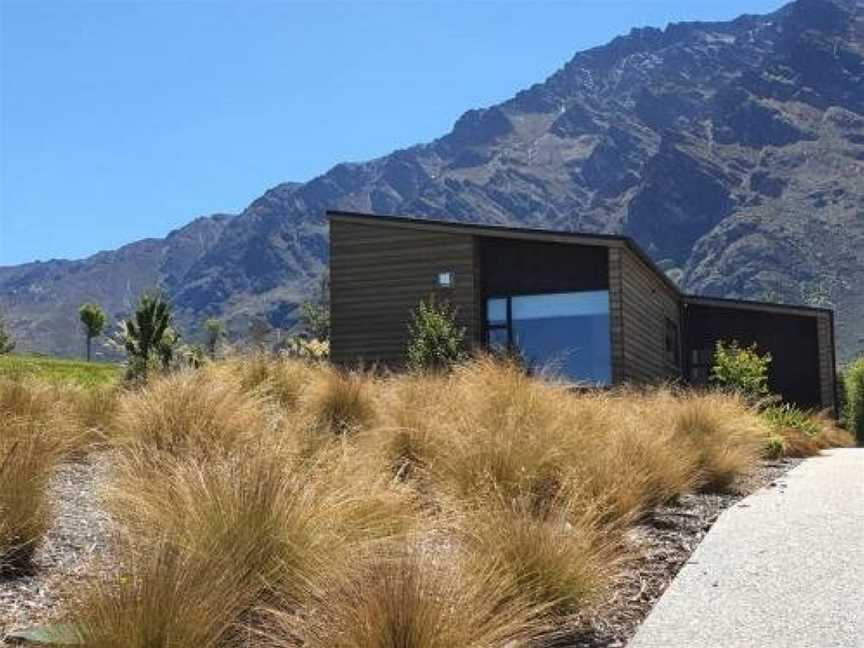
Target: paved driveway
column 784, row 568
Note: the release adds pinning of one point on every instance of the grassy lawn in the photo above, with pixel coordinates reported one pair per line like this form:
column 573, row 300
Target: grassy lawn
column 59, row 370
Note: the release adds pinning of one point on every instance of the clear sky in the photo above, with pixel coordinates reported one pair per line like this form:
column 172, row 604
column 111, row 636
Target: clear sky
column 122, row 120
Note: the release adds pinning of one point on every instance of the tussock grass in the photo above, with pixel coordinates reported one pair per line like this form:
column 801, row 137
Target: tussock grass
column 289, row 519
column 336, row 508
column 409, row 600
column 726, row 436
column 28, row 456
column 562, row 557
column 196, row 414
column 283, row 380
column 341, row 401
column 165, row 597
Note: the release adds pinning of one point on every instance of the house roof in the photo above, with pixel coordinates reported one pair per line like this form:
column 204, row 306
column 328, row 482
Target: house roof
column 573, row 238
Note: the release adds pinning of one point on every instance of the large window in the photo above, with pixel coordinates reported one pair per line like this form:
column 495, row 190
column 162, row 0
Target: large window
column 566, row 333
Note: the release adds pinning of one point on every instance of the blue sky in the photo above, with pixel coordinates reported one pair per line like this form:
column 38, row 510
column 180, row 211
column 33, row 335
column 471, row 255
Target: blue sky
column 122, row 120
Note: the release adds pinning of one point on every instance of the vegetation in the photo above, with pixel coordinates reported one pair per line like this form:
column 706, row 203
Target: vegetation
column 41, row 422
column 796, row 433
column 58, row 370
column 740, row 369
column 214, row 332
column 853, row 411
column 148, row 335
column 7, row 342
column 282, row 502
column 436, row 340
column 93, row 320
column 315, row 314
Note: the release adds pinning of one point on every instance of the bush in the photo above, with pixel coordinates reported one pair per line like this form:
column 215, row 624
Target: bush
column 796, row 433
column 740, row 369
column 853, row 415
column 436, row 341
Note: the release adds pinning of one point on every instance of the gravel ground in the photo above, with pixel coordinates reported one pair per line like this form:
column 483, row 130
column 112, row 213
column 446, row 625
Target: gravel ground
column 78, row 543
column 78, row 537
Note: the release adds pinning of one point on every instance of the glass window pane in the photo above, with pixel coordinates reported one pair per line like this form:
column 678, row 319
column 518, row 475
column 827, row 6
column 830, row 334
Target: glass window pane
column 497, row 339
column 496, row 311
column 565, row 333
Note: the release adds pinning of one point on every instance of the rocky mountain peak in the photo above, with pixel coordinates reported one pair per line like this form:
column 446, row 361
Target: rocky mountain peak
column 732, row 151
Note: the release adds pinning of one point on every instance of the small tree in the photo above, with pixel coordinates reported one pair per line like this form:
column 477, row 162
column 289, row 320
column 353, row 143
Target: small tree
column 143, row 334
column 741, row 369
column 853, row 410
column 259, row 330
column 435, row 339
column 93, row 321
column 7, row 343
column 214, row 331
column 315, row 313
column 166, row 346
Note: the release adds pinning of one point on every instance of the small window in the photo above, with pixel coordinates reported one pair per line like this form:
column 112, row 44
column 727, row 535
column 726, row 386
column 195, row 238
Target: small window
column 672, row 343
column 446, row 279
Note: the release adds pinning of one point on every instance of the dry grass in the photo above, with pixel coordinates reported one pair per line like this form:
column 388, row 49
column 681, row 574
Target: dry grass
column 195, row 414
column 283, row 380
column 408, row 600
column 341, row 402
column 28, row 455
column 562, row 557
column 726, row 437
column 39, row 426
column 165, row 597
column 463, row 509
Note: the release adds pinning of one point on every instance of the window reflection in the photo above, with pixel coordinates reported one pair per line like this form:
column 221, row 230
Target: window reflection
column 565, row 333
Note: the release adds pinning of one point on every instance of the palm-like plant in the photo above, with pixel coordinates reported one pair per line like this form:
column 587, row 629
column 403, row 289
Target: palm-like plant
column 144, row 334
column 93, row 320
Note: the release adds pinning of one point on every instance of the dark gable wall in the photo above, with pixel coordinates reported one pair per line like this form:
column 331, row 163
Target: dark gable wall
column 378, row 275
column 791, row 339
column 522, row 267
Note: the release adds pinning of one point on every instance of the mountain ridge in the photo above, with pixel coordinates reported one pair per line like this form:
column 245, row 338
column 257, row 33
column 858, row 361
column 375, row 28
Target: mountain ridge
column 731, row 151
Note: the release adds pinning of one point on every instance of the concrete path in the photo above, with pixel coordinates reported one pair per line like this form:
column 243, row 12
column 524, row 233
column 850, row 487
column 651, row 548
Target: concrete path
column 783, row 568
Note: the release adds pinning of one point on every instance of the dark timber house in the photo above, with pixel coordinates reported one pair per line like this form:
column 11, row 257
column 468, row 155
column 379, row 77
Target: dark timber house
column 592, row 306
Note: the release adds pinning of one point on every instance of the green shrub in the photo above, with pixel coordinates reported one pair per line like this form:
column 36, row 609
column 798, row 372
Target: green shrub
column 7, row 342
column 436, row 340
column 740, row 369
column 853, row 413
column 788, row 416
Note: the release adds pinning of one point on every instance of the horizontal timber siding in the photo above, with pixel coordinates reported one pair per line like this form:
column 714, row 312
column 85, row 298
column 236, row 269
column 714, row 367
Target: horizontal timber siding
column 646, row 301
column 827, row 387
column 378, row 275
column 616, row 317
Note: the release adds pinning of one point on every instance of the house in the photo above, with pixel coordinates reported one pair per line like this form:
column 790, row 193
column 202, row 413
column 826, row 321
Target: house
column 593, row 307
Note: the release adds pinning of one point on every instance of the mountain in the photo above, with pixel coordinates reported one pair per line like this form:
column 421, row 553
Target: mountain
column 733, row 152
column 40, row 300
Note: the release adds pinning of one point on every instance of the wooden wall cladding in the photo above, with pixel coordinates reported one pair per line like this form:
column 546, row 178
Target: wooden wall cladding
column 378, row 275
column 646, row 303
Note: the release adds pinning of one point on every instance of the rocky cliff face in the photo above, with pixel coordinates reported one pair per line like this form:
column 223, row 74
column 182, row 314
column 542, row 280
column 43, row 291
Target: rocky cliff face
column 733, row 152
